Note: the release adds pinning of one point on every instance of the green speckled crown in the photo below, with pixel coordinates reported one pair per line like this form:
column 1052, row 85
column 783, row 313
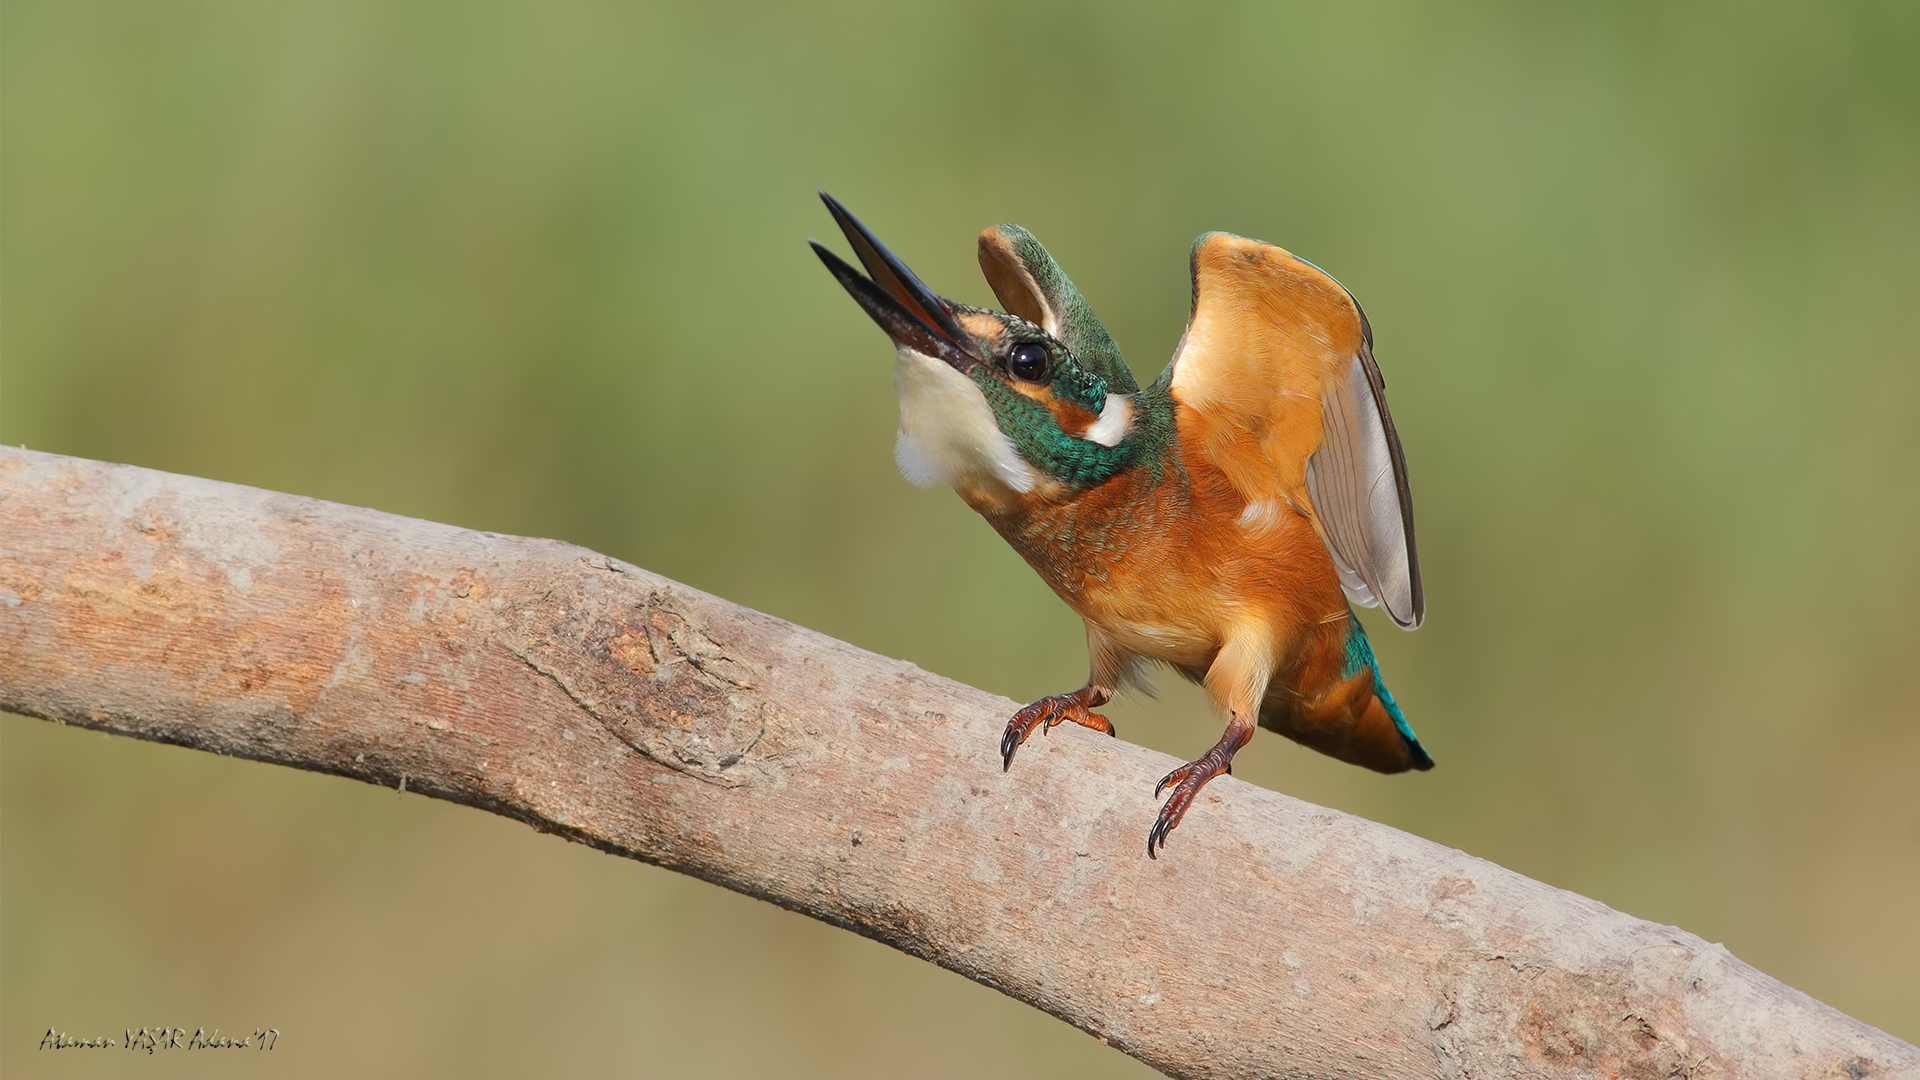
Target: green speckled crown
column 1032, row 286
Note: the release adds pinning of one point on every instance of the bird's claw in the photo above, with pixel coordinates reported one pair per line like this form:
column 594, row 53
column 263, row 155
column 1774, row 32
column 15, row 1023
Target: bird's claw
column 1045, row 714
column 1186, row 781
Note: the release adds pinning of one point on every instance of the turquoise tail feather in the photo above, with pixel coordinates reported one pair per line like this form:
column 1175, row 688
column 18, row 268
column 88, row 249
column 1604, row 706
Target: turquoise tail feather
column 1360, row 658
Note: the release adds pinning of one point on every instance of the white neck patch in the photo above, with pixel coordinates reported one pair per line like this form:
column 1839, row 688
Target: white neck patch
column 947, row 431
column 1116, row 419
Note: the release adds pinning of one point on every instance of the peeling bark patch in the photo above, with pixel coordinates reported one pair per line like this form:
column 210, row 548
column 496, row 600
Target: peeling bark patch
column 658, row 681
column 1626, row 1022
column 1450, row 901
column 1559, row 1025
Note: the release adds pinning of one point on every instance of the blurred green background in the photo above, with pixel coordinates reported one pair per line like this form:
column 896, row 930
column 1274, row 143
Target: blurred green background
column 1637, row 277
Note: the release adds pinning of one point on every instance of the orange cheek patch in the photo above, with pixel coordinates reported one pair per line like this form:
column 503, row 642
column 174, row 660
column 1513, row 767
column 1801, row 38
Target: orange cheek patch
column 1071, row 418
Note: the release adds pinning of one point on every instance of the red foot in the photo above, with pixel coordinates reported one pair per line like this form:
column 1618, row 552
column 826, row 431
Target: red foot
column 1186, row 781
column 1048, row 711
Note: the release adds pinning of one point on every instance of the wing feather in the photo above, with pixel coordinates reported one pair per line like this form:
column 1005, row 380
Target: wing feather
column 1357, row 480
column 1277, row 365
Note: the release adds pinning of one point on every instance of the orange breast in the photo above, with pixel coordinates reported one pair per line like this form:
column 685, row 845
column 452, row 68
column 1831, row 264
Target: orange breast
column 1166, row 565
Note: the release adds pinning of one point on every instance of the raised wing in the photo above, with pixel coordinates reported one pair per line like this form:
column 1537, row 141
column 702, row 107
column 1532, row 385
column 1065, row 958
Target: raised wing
column 1277, row 368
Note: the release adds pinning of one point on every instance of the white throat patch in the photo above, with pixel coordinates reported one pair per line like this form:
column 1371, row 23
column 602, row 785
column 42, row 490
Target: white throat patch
column 947, row 431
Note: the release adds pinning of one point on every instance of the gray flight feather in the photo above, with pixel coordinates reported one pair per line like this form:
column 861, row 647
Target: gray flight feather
column 1358, row 483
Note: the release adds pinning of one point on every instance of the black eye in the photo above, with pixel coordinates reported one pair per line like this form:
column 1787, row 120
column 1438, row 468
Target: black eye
column 1028, row 361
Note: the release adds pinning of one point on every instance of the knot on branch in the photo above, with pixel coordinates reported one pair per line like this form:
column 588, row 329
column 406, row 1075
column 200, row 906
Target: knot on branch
column 653, row 675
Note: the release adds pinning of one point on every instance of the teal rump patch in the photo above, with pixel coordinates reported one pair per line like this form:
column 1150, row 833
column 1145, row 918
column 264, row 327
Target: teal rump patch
column 1360, row 658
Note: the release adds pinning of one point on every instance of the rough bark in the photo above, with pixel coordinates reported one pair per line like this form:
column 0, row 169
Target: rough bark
column 590, row 698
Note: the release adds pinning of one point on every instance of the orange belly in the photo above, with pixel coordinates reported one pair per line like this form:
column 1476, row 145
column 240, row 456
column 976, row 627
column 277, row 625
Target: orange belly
column 1164, row 565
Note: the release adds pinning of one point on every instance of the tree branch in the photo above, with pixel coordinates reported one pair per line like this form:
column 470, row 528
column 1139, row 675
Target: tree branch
column 592, row 699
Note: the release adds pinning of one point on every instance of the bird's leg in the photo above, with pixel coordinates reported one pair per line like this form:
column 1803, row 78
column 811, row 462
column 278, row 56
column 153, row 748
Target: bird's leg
column 1237, row 680
column 1109, row 664
column 1188, row 779
column 1048, row 711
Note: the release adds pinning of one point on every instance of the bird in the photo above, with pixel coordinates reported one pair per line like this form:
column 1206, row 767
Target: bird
column 1222, row 521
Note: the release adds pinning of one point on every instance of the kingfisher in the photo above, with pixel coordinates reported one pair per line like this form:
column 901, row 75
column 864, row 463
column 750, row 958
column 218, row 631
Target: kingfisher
column 1222, row 521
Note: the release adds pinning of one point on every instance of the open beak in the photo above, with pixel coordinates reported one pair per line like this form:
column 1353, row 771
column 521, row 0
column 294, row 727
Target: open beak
column 911, row 314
